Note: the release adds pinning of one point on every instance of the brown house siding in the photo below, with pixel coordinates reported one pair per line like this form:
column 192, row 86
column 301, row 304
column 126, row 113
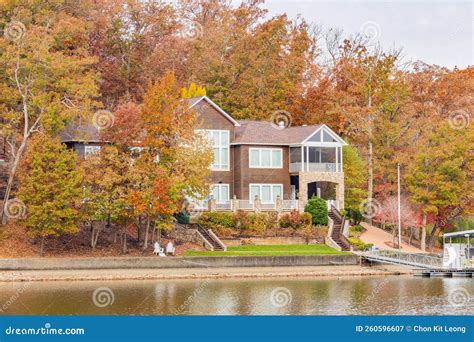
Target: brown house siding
column 210, row 118
column 244, row 175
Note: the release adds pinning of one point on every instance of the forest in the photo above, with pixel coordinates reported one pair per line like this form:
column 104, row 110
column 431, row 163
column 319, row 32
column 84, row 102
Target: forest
column 126, row 66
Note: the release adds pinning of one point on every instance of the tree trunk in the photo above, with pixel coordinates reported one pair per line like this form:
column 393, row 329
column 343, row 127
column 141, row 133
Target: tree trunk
column 370, row 180
column 11, row 179
column 431, row 237
column 423, row 232
column 153, row 234
column 124, row 239
column 145, row 242
column 42, row 246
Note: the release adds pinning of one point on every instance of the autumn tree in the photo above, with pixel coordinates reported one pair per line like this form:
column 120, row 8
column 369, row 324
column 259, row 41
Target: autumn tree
column 50, row 188
column 106, row 190
column 438, row 177
column 170, row 160
column 193, row 91
column 47, row 76
column 389, row 215
column 135, row 42
column 250, row 65
column 355, row 178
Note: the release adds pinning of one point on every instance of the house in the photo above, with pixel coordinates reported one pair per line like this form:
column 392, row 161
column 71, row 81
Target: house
column 258, row 159
column 255, row 160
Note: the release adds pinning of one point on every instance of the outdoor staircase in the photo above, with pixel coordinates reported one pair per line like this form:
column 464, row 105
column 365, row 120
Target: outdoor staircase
column 337, row 229
column 211, row 240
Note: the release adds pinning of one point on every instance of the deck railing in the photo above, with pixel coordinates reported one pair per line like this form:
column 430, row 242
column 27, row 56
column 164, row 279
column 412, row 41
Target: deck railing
column 313, row 167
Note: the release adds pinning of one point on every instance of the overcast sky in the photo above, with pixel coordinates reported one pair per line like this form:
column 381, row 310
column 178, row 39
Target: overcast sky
column 436, row 32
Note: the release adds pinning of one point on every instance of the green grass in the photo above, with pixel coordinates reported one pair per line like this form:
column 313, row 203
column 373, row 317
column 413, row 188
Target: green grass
column 269, row 250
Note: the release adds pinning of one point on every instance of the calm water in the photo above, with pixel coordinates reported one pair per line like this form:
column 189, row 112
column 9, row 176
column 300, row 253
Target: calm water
column 403, row 295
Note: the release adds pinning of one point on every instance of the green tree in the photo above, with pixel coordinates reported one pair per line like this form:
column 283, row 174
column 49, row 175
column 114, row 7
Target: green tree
column 355, row 178
column 50, row 188
column 438, row 178
column 47, row 76
column 318, row 209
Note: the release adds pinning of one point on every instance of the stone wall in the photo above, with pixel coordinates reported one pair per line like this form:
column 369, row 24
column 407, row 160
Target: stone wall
column 308, row 177
column 174, row 262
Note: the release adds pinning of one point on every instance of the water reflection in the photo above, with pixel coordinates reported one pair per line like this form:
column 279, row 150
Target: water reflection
column 403, row 295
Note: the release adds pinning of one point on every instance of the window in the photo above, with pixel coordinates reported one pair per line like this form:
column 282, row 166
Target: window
column 220, row 192
column 322, row 135
column 90, row 150
column 219, row 141
column 266, row 158
column 267, row 193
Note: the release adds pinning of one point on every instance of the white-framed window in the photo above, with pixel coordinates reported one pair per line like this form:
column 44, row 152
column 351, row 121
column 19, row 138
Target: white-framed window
column 265, row 158
column 220, row 193
column 267, row 193
column 220, row 143
column 90, row 150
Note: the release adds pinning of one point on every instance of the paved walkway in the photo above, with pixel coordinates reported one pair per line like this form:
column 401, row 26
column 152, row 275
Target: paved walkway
column 380, row 238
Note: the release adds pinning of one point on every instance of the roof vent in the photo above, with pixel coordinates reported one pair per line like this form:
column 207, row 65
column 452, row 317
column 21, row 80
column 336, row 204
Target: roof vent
column 281, row 124
column 305, row 125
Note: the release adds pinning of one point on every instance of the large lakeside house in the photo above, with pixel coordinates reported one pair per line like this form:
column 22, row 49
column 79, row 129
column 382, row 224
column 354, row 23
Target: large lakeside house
column 254, row 161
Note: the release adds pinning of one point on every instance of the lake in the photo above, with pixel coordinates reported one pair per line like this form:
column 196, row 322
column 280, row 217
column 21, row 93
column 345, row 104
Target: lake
column 390, row 295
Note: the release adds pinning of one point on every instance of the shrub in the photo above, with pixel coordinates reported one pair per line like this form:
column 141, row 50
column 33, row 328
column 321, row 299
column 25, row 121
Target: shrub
column 318, row 209
column 295, row 220
column 182, row 217
column 360, row 245
column 257, row 224
column 214, row 218
column 354, row 215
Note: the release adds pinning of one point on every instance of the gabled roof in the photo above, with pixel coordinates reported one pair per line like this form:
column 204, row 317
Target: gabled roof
column 265, row 132
column 195, row 100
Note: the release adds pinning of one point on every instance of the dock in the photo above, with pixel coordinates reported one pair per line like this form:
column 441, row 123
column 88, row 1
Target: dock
column 444, row 273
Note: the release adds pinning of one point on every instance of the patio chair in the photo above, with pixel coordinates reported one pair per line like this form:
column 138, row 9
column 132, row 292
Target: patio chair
column 170, row 249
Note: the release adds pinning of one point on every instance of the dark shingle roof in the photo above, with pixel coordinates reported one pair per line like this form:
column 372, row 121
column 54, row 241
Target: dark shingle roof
column 82, row 133
column 264, row 132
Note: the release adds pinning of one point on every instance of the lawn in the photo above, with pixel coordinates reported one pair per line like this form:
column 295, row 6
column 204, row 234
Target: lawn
column 269, row 250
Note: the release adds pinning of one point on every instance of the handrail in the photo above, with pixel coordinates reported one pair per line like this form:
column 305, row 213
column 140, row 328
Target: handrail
column 216, row 239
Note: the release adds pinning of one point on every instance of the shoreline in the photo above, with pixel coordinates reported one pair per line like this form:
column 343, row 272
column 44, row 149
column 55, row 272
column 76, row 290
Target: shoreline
column 202, row 273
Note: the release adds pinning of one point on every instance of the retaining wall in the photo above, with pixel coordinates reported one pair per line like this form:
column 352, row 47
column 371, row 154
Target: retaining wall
column 173, row 262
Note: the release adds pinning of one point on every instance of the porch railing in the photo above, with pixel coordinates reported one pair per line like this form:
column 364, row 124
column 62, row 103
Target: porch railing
column 289, row 204
column 313, row 167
